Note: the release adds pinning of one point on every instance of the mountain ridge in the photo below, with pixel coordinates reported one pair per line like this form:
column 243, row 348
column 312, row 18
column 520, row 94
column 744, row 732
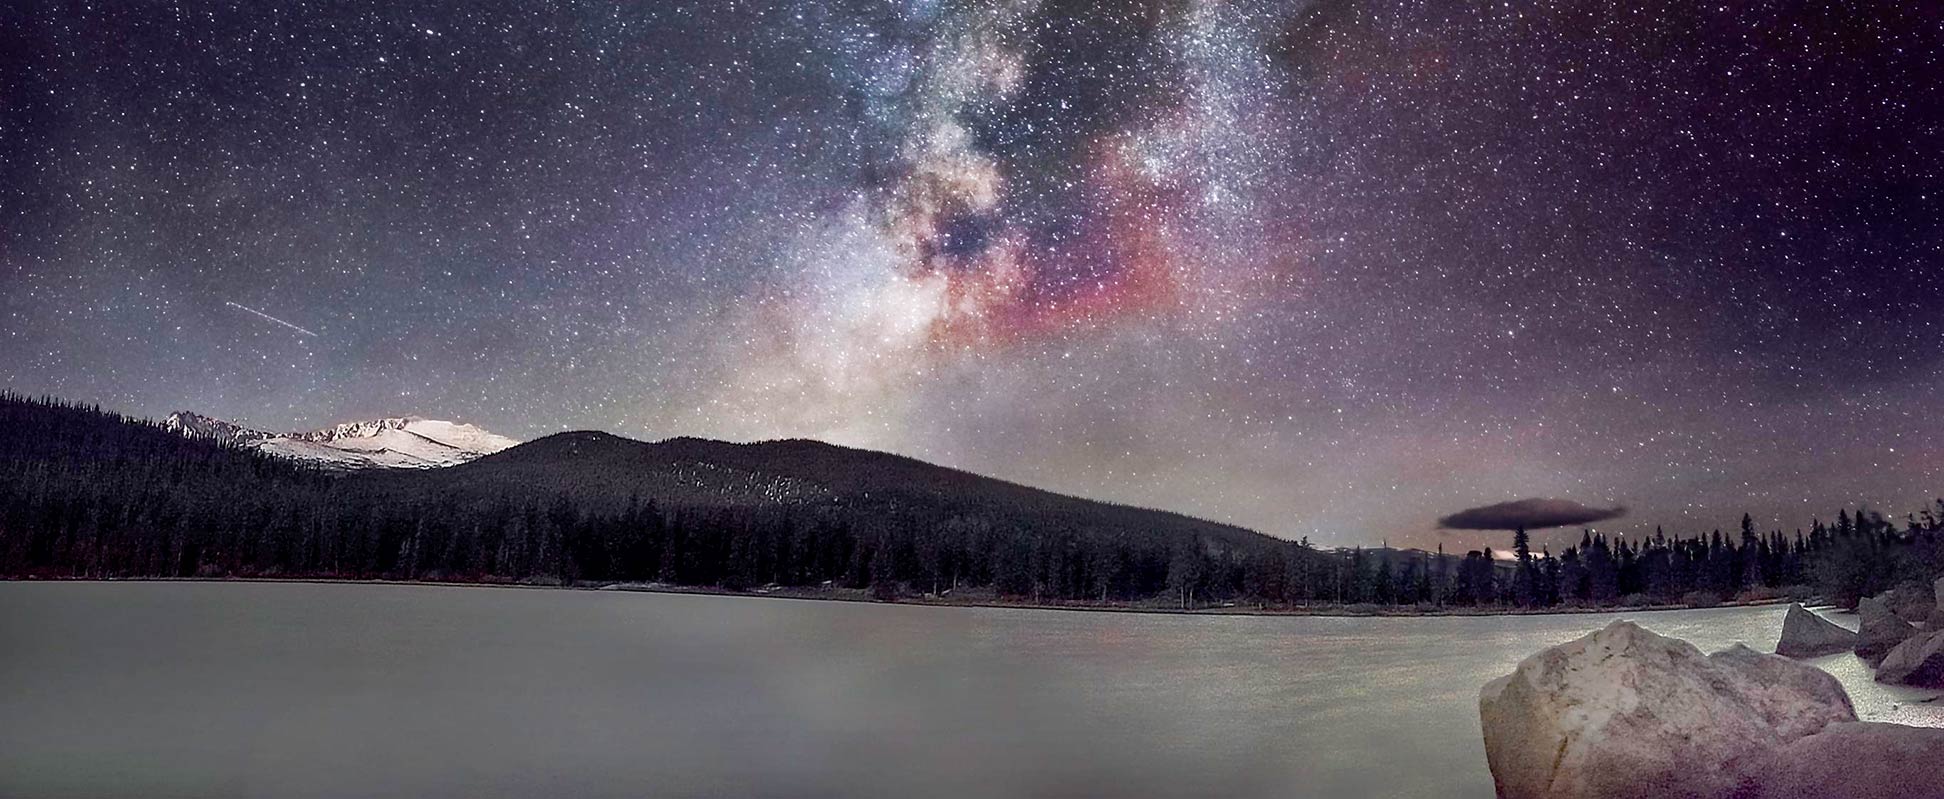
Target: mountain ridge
column 101, row 494
column 800, row 472
column 682, row 470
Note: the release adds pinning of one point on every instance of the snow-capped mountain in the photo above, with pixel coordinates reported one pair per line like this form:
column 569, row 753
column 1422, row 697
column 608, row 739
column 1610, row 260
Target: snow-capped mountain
column 408, row 442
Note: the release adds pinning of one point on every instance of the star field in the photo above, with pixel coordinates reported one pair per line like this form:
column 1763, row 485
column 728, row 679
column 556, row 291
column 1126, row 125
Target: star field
column 1325, row 269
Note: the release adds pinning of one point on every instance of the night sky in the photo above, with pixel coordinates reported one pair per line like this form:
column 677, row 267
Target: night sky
column 1327, row 269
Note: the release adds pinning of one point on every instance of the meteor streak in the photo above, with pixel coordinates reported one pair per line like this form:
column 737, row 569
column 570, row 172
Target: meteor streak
column 242, row 307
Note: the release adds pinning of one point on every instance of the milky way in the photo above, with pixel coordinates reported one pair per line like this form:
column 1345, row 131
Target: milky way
column 1325, row 269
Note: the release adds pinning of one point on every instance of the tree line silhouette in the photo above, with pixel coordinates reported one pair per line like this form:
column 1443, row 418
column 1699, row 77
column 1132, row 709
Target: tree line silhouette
column 87, row 493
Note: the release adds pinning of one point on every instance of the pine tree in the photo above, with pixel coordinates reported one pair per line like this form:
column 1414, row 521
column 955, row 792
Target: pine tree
column 884, row 584
column 1185, row 572
column 1525, row 584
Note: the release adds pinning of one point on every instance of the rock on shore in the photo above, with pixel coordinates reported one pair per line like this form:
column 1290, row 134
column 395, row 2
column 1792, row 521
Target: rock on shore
column 1878, row 630
column 1857, row 760
column 1937, row 611
column 1911, row 601
column 1805, row 635
column 1624, row 712
column 1919, row 661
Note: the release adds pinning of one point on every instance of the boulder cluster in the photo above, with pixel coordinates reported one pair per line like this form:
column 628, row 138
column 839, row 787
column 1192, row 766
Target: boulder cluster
column 1624, row 712
column 1899, row 633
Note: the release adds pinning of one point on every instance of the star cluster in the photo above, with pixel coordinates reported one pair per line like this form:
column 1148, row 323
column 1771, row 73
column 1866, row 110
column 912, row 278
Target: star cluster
column 1327, row 269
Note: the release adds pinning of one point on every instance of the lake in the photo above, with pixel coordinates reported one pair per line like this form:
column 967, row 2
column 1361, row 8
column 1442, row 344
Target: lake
column 269, row 689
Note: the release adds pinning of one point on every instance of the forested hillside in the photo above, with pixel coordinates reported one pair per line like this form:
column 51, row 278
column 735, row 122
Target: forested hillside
column 86, row 493
column 89, row 493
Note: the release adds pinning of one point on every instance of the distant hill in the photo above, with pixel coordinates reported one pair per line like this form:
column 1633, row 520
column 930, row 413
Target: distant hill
column 85, row 492
column 702, row 473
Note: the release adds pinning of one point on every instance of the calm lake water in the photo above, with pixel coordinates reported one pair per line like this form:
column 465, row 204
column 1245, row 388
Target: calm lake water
column 263, row 689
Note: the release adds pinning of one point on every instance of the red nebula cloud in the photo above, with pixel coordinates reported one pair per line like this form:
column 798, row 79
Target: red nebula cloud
column 1127, row 263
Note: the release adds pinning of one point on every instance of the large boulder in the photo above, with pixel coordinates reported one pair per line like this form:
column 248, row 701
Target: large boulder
column 1857, row 760
column 1878, row 630
column 1627, row 713
column 1919, row 660
column 1806, row 635
column 1912, row 601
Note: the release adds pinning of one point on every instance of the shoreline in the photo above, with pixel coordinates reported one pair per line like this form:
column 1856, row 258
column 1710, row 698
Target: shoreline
column 862, row 596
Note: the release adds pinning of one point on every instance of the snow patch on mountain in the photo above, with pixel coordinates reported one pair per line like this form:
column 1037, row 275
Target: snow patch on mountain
column 408, row 442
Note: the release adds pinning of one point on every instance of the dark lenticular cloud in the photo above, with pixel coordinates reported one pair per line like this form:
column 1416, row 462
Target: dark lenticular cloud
column 1532, row 514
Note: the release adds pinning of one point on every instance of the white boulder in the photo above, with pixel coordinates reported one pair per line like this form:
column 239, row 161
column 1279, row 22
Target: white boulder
column 1805, row 635
column 1624, row 712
